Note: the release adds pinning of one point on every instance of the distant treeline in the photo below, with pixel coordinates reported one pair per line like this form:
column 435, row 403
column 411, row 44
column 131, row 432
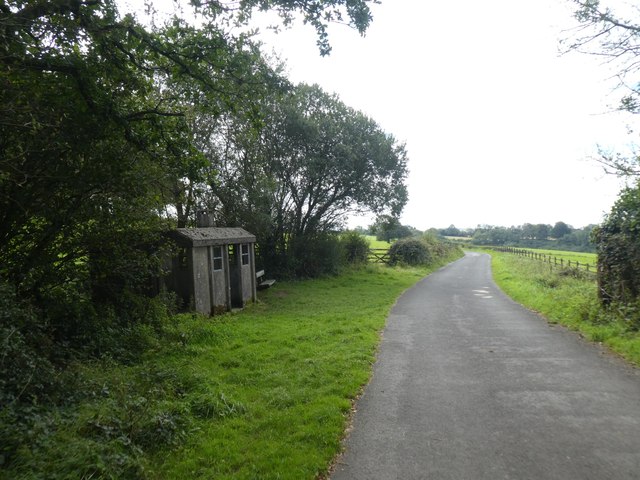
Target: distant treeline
column 559, row 236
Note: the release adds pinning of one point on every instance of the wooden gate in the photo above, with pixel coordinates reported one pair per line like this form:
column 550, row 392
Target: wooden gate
column 378, row 255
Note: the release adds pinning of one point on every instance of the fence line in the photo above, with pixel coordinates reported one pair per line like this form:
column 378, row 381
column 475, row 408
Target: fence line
column 550, row 259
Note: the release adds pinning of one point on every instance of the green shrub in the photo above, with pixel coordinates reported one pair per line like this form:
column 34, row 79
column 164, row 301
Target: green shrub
column 409, row 251
column 316, row 255
column 27, row 373
column 356, row 247
column 618, row 247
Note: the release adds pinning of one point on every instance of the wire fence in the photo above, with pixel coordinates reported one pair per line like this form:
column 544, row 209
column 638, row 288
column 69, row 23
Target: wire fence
column 550, row 259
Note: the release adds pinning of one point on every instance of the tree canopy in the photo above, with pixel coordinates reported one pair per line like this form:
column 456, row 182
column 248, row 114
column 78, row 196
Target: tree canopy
column 96, row 117
column 298, row 172
column 560, row 236
column 113, row 131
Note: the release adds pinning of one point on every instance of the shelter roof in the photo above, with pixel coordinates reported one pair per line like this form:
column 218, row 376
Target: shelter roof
column 203, row 237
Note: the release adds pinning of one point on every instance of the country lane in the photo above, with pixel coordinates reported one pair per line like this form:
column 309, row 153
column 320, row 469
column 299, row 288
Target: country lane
column 470, row 385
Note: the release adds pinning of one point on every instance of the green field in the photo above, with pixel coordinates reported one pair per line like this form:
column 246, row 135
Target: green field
column 373, row 243
column 581, row 257
column 584, row 258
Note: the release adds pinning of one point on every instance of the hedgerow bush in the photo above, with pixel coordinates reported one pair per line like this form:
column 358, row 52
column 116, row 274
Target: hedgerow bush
column 421, row 250
column 409, row 251
column 315, row 256
column 356, row 248
column 618, row 246
column 320, row 254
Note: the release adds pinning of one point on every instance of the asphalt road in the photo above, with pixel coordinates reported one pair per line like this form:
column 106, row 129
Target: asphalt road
column 470, row 385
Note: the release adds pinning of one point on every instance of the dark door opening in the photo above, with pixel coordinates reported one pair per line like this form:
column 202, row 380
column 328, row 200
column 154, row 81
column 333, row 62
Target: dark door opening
column 235, row 277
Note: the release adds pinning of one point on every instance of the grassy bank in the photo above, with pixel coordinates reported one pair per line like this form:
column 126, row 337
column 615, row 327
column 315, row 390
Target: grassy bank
column 262, row 393
column 566, row 297
column 289, row 367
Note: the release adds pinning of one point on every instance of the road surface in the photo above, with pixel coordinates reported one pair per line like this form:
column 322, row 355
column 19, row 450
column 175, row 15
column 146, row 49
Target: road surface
column 470, row 385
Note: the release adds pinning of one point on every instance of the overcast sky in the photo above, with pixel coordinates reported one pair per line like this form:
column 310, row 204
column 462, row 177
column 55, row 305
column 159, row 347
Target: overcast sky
column 499, row 127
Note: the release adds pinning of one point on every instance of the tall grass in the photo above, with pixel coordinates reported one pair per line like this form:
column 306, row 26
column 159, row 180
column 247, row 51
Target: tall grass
column 567, row 297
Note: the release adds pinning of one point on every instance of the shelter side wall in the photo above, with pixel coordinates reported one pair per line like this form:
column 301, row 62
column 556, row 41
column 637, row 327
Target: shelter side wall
column 179, row 281
column 201, row 279
column 220, row 300
column 247, row 284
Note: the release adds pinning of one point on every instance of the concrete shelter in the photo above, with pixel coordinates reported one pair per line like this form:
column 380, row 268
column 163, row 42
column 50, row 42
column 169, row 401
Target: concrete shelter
column 214, row 270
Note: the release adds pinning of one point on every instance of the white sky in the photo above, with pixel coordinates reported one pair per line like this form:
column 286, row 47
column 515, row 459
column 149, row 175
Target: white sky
column 499, row 127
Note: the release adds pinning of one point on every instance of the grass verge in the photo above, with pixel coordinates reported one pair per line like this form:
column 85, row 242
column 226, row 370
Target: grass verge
column 263, row 393
column 565, row 297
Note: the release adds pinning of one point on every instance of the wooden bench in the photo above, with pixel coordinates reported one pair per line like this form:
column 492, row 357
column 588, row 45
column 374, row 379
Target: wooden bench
column 263, row 284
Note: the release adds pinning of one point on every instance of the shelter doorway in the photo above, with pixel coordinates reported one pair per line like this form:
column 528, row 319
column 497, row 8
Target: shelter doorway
column 235, row 277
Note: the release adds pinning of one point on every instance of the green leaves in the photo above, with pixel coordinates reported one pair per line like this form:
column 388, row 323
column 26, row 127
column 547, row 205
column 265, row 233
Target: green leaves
column 99, row 143
column 618, row 246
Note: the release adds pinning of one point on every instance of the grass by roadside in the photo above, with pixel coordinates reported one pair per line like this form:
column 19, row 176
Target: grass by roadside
column 291, row 366
column 565, row 297
column 262, row 393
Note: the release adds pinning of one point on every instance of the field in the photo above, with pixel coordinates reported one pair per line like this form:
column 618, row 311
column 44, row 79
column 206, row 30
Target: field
column 373, row 243
column 581, row 257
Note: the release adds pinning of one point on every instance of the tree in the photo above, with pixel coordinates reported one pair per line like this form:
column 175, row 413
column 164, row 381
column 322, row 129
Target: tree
column 90, row 126
column 301, row 169
column 579, row 239
column 560, row 229
column 83, row 137
column 450, row 231
column 489, row 235
column 385, row 227
column 332, row 160
column 615, row 36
